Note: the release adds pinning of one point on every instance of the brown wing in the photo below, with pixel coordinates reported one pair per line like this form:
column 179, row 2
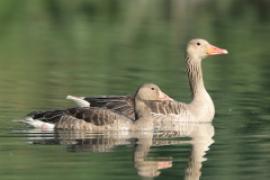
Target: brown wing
column 97, row 116
column 166, row 107
column 123, row 105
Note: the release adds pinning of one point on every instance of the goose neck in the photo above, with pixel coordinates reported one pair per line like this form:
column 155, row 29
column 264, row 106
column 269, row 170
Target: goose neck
column 141, row 109
column 195, row 76
column 202, row 105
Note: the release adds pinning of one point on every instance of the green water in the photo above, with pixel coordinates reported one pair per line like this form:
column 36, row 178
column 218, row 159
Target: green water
column 52, row 48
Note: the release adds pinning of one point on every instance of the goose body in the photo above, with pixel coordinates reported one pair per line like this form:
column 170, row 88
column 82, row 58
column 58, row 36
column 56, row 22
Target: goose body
column 98, row 118
column 87, row 118
column 200, row 109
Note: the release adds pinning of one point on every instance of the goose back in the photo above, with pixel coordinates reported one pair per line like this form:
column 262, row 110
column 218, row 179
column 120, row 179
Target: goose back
column 120, row 104
column 125, row 105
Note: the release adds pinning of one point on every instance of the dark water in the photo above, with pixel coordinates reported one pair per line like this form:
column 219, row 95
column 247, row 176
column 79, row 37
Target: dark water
column 49, row 49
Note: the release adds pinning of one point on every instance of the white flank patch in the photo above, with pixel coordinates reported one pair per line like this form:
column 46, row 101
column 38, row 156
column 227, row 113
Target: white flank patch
column 38, row 123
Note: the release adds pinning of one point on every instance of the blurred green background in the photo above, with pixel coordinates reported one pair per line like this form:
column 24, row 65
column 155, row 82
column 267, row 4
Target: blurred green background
column 52, row 48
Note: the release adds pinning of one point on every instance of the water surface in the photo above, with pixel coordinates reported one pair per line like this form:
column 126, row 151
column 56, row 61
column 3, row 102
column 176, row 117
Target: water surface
column 49, row 49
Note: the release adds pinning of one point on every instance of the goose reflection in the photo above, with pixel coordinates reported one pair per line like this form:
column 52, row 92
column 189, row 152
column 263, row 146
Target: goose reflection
column 146, row 167
column 199, row 136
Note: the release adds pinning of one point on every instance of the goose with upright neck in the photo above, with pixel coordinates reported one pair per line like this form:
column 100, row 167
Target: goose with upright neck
column 200, row 109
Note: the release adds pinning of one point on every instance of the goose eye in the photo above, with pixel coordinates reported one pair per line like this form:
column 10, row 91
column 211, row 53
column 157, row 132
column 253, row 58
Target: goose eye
column 152, row 88
column 198, row 44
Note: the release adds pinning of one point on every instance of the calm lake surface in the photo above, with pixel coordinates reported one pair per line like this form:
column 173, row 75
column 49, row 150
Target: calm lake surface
column 49, row 49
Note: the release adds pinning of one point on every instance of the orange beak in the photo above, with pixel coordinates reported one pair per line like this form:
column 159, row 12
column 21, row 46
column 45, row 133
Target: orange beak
column 213, row 50
column 164, row 97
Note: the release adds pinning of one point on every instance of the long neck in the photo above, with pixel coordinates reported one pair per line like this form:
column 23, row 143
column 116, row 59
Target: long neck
column 141, row 109
column 195, row 76
column 202, row 105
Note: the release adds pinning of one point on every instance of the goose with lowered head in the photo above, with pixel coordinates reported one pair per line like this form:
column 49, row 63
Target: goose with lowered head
column 99, row 118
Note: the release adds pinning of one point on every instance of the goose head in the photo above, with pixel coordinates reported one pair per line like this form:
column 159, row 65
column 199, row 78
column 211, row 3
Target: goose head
column 151, row 92
column 200, row 49
column 148, row 92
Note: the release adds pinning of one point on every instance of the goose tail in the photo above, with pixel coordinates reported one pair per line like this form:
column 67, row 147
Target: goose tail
column 79, row 101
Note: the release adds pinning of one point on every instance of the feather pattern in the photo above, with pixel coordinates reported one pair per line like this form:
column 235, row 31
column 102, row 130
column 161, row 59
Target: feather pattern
column 121, row 104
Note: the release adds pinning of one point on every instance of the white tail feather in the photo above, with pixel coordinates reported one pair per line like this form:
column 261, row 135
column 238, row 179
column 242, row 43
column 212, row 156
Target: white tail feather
column 79, row 101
